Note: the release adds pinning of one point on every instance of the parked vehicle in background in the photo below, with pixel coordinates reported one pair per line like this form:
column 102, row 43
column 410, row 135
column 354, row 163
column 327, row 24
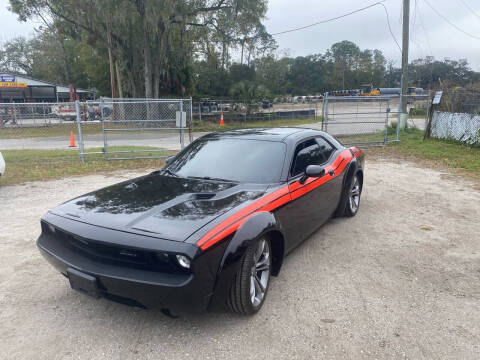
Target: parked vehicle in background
column 64, row 111
column 95, row 108
column 267, row 104
column 8, row 115
column 208, row 106
column 224, row 106
column 239, row 107
column 2, row 165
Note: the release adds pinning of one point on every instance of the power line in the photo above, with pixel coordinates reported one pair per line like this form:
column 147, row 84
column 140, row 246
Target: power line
column 469, row 8
column 451, row 23
column 327, row 20
column 342, row 16
column 389, row 27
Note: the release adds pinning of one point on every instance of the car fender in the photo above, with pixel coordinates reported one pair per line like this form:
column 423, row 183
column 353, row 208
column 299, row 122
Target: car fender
column 257, row 225
column 353, row 167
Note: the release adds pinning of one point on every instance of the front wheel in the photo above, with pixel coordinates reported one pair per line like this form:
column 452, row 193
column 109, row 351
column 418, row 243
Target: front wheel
column 250, row 285
column 353, row 194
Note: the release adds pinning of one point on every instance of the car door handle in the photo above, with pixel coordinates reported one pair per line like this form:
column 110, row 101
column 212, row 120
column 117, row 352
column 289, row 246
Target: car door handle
column 331, row 172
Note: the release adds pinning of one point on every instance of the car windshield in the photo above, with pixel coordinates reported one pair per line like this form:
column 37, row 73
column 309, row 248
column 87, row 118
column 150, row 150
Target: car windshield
column 240, row 160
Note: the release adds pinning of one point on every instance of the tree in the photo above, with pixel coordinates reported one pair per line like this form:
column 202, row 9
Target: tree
column 17, row 56
column 153, row 41
column 249, row 93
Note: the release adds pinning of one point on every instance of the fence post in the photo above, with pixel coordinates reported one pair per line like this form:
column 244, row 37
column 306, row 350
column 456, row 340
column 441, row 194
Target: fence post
column 325, row 119
column 181, row 125
column 44, row 114
column 387, row 110
column 104, row 133
column 429, row 102
column 14, row 114
column 200, row 111
column 190, row 127
column 80, row 137
column 399, row 118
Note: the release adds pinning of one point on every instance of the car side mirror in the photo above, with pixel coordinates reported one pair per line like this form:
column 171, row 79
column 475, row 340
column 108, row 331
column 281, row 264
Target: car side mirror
column 169, row 159
column 313, row 171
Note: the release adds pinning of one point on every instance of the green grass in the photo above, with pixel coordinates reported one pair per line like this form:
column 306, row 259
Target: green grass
column 40, row 165
column 377, row 137
column 452, row 154
column 49, row 131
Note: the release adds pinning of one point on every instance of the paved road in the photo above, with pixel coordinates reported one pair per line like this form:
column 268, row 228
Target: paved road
column 166, row 140
column 398, row 281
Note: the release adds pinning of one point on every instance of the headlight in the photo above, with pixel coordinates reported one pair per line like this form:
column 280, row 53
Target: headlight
column 51, row 228
column 183, row 261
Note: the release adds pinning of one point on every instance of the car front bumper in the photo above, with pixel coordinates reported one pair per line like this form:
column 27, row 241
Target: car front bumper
column 177, row 292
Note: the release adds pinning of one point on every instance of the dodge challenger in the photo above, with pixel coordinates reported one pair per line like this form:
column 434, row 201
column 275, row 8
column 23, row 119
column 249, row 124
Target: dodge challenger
column 210, row 228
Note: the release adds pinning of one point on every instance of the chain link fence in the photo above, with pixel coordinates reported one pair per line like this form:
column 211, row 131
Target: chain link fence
column 25, row 120
column 457, row 117
column 108, row 128
column 371, row 120
column 253, row 113
column 123, row 129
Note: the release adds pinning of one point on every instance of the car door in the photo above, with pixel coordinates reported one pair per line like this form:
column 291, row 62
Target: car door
column 311, row 203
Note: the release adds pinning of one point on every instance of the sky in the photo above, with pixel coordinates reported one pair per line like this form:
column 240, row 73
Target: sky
column 429, row 33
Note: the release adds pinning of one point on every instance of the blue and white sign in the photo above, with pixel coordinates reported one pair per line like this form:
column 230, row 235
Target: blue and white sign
column 437, row 98
column 7, row 78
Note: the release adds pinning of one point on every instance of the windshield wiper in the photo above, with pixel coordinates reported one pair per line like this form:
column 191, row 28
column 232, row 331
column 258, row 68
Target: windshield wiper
column 170, row 172
column 211, row 178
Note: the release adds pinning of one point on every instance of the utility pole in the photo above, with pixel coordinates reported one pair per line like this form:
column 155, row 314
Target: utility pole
column 405, row 41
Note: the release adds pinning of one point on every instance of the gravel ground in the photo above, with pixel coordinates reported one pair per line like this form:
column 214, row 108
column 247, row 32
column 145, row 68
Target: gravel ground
column 400, row 280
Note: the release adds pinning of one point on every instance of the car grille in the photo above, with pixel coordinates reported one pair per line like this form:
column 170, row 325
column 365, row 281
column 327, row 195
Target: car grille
column 119, row 255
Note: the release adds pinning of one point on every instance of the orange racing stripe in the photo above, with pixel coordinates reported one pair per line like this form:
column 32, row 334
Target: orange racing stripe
column 273, row 201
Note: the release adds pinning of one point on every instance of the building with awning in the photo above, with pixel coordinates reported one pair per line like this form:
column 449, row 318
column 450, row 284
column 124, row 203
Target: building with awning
column 21, row 88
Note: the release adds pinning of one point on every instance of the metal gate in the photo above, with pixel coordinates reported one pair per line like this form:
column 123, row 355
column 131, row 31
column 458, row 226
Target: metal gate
column 134, row 128
column 358, row 120
column 368, row 120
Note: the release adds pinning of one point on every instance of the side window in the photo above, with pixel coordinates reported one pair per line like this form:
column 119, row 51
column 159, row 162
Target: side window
column 311, row 152
column 326, row 150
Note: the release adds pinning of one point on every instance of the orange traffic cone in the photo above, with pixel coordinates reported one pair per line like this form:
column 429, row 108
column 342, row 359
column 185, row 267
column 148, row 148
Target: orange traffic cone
column 221, row 119
column 72, row 140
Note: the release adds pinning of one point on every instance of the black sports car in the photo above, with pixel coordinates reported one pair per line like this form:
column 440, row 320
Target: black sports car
column 210, row 227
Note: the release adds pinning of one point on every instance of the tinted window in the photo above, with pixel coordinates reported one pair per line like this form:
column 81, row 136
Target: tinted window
column 233, row 159
column 311, row 152
column 326, row 150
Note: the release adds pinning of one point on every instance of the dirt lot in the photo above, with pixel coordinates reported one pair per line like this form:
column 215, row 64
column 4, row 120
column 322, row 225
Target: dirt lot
column 400, row 280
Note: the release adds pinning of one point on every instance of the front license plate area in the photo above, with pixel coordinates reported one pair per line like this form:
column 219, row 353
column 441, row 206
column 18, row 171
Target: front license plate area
column 84, row 283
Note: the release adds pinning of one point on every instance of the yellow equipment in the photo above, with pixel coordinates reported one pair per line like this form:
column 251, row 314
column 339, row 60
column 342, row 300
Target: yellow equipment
column 369, row 90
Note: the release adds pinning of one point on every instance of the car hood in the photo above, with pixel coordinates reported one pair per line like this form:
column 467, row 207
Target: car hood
column 161, row 206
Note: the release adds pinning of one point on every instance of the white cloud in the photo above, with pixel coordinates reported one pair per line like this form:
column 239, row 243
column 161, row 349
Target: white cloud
column 369, row 29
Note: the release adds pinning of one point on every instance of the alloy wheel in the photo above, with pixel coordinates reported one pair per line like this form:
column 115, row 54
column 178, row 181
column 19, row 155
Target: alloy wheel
column 260, row 273
column 354, row 196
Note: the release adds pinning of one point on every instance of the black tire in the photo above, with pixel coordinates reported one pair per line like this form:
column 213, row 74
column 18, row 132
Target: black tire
column 241, row 300
column 353, row 195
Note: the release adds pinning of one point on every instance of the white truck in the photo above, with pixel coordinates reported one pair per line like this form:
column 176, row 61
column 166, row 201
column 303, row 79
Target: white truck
column 64, row 111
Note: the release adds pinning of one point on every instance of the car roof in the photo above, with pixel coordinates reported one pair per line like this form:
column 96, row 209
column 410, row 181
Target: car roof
column 269, row 134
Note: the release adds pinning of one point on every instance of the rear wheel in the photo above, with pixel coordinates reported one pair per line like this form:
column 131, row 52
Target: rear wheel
column 250, row 285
